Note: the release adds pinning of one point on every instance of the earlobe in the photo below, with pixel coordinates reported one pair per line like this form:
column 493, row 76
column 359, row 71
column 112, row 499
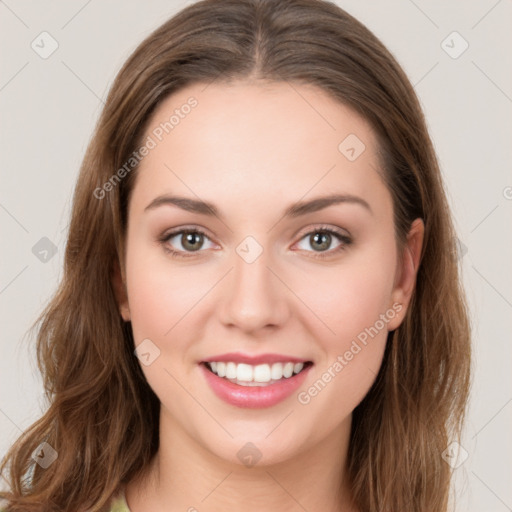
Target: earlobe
column 408, row 270
column 119, row 286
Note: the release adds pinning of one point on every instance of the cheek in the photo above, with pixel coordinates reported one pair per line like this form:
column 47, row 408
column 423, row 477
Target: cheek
column 153, row 300
column 353, row 302
column 350, row 297
column 160, row 292
column 353, row 307
column 164, row 300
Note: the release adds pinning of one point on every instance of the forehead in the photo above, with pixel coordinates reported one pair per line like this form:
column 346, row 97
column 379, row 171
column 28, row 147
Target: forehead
column 279, row 114
column 257, row 140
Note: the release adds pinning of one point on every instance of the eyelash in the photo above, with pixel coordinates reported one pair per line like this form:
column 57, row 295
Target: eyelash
column 344, row 239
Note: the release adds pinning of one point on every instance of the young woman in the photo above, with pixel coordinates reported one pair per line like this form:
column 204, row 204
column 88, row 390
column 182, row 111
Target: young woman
column 261, row 307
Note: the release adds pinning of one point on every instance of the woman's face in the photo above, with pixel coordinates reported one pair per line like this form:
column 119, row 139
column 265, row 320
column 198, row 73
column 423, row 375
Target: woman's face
column 273, row 271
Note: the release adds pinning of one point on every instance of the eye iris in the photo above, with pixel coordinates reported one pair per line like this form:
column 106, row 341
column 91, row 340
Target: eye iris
column 192, row 238
column 324, row 239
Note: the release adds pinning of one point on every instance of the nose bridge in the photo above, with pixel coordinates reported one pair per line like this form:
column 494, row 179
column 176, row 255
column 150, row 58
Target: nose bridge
column 254, row 298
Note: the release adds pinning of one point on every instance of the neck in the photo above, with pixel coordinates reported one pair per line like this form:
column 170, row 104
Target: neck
column 185, row 476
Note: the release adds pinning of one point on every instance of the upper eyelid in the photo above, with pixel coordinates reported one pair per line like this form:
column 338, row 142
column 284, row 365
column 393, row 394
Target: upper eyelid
column 336, row 231
column 324, row 227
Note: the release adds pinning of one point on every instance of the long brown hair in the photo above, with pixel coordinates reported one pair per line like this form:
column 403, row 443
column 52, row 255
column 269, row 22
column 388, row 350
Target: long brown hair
column 102, row 418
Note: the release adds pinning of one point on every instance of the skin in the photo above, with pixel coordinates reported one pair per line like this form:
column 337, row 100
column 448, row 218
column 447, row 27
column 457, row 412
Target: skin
column 253, row 149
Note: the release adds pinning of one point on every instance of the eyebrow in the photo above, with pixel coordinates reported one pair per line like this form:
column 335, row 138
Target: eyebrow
column 295, row 210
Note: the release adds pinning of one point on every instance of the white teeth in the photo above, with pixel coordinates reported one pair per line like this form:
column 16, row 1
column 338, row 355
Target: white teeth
column 262, row 373
column 288, row 370
column 243, row 372
column 277, row 371
column 230, row 371
column 298, row 367
column 221, row 369
column 246, row 374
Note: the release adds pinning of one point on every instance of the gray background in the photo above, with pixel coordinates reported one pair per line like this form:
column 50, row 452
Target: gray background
column 49, row 108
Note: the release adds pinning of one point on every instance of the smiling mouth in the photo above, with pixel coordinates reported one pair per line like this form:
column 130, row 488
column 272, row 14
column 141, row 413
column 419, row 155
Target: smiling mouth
column 256, row 375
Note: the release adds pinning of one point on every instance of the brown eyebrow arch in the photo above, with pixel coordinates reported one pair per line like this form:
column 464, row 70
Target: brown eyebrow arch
column 295, row 210
column 314, row 205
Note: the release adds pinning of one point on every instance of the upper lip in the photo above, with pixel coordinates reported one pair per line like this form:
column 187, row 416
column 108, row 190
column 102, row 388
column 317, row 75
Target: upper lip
column 238, row 357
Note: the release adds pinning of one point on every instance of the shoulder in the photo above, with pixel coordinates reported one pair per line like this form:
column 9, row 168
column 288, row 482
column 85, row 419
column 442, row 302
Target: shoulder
column 119, row 503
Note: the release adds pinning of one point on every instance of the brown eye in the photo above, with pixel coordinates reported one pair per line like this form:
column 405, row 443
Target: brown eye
column 185, row 241
column 321, row 241
column 192, row 241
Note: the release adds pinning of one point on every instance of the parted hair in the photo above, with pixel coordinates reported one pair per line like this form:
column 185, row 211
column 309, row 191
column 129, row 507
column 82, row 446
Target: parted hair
column 101, row 415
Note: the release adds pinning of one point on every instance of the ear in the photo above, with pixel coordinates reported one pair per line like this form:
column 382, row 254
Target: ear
column 119, row 286
column 407, row 270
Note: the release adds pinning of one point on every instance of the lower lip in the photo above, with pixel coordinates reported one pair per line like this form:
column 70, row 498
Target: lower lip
column 253, row 397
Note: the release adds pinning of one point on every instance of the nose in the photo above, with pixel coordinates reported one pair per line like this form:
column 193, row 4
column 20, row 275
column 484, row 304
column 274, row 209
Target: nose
column 253, row 297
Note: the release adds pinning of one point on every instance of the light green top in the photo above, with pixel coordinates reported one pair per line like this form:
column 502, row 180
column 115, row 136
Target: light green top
column 119, row 503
